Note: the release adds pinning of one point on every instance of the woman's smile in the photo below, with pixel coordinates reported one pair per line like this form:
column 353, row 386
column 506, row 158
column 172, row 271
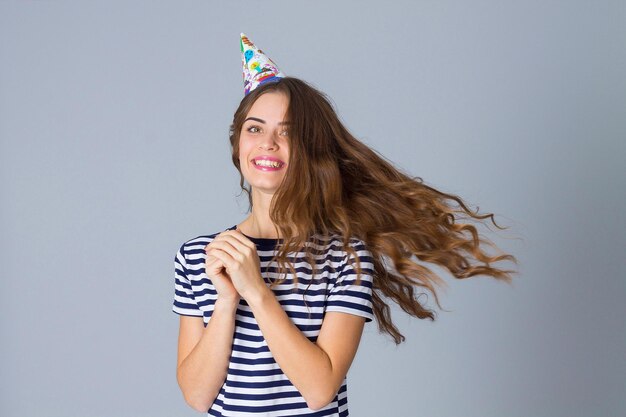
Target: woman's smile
column 268, row 163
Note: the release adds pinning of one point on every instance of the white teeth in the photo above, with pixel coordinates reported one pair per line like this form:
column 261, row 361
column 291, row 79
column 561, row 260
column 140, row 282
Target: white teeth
column 266, row 163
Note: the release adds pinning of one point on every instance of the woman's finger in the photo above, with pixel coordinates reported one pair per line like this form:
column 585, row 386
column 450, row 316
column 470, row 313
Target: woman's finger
column 222, row 245
column 222, row 256
column 237, row 248
column 236, row 239
column 213, row 262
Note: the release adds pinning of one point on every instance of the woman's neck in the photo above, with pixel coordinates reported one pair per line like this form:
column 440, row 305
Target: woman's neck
column 254, row 226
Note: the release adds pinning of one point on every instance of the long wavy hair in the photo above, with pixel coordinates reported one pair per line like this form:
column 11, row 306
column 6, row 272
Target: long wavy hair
column 336, row 185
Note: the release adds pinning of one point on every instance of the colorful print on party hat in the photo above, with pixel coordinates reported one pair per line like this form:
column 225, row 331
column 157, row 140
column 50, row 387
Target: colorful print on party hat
column 258, row 68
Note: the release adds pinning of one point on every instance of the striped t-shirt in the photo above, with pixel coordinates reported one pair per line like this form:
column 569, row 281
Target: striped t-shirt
column 255, row 385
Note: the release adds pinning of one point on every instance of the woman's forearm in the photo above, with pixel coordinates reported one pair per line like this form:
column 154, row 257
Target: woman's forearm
column 306, row 365
column 202, row 373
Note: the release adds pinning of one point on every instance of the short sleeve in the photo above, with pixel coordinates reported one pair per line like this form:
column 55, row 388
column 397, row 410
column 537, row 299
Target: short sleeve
column 346, row 295
column 184, row 301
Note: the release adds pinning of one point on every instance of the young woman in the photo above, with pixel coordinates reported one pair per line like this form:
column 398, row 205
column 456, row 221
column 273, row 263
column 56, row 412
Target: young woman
column 272, row 309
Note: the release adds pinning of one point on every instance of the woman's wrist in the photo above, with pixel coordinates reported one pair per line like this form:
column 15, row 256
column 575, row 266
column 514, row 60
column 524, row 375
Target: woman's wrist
column 259, row 296
column 227, row 304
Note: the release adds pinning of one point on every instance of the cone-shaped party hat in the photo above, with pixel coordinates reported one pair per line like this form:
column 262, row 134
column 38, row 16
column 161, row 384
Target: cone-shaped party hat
column 258, row 68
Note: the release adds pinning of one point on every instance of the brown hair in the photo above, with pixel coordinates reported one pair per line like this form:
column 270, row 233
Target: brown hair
column 327, row 190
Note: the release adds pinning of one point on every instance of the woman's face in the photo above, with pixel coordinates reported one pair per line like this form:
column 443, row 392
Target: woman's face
column 264, row 144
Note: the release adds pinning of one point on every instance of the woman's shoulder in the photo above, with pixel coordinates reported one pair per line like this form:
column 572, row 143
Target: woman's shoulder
column 337, row 239
column 335, row 243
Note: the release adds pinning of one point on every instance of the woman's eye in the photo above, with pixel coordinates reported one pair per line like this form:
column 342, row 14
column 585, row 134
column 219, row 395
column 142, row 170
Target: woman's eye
column 255, row 129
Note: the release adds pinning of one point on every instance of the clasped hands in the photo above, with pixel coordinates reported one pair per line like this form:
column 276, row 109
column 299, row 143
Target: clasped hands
column 233, row 265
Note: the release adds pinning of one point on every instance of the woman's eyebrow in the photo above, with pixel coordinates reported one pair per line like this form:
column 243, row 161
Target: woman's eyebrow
column 263, row 121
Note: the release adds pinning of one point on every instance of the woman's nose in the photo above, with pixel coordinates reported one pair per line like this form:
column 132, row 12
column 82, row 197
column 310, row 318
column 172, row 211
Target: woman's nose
column 269, row 141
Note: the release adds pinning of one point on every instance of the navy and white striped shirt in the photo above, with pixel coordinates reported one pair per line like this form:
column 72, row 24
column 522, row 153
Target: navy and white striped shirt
column 255, row 385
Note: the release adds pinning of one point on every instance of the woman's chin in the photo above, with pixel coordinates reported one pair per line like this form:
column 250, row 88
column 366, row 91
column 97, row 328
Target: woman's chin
column 264, row 187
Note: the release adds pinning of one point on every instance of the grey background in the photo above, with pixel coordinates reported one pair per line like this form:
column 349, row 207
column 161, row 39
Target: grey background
column 114, row 150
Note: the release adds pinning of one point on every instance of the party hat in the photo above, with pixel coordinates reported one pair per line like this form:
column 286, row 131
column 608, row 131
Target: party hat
column 258, row 68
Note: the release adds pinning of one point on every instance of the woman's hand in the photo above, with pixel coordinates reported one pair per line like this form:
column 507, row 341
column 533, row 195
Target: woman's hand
column 235, row 263
column 216, row 271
